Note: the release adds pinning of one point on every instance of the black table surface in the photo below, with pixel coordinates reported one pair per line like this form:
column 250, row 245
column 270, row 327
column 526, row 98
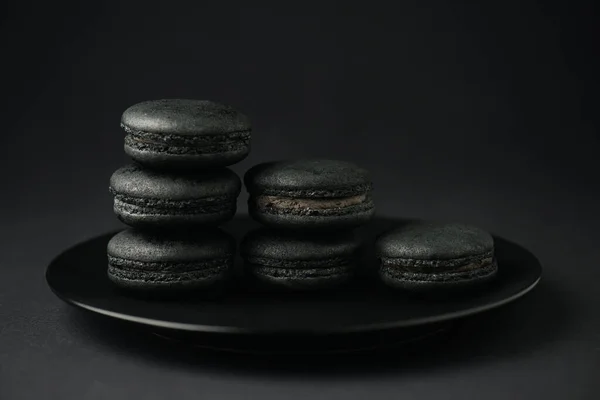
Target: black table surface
column 474, row 113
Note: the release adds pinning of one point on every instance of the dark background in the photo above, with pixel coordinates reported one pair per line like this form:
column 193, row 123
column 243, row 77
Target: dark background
column 477, row 113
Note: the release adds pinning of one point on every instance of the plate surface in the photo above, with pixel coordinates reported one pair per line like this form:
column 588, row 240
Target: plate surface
column 78, row 276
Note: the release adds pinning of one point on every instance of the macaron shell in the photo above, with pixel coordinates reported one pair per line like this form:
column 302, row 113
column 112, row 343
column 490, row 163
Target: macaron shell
column 433, row 240
column 141, row 281
column 137, row 280
column 145, row 246
column 133, row 180
column 184, row 117
column 284, row 245
column 313, row 178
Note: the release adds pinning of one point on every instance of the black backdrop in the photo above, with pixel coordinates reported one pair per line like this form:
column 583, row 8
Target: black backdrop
column 479, row 113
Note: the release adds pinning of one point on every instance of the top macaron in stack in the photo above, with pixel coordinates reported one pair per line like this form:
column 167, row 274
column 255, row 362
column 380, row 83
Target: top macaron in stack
column 180, row 149
column 176, row 193
column 309, row 208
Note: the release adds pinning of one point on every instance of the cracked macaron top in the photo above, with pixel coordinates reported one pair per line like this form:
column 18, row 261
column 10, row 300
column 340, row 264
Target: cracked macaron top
column 309, row 193
column 148, row 197
column 174, row 133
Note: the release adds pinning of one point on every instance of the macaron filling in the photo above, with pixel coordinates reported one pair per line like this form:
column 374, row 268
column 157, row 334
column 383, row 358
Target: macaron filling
column 187, row 144
column 312, row 206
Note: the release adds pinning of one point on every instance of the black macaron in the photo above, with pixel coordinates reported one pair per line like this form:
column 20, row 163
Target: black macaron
column 183, row 134
column 309, row 194
column 289, row 260
column 141, row 260
column 423, row 256
column 148, row 198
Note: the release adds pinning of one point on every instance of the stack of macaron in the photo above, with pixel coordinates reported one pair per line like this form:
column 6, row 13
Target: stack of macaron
column 178, row 191
column 175, row 194
column 309, row 209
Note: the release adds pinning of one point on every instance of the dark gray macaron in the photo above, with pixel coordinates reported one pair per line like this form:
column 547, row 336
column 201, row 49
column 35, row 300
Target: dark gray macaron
column 184, row 134
column 309, row 194
column 292, row 261
column 141, row 260
column 148, row 198
column 421, row 256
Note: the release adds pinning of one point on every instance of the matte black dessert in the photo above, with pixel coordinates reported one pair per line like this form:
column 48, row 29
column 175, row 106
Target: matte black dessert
column 183, row 134
column 169, row 262
column 293, row 261
column 148, row 198
column 309, row 194
column 426, row 255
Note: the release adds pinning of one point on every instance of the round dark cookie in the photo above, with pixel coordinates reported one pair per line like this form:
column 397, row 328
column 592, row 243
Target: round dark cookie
column 309, row 194
column 173, row 262
column 185, row 134
column 423, row 256
column 149, row 198
column 296, row 261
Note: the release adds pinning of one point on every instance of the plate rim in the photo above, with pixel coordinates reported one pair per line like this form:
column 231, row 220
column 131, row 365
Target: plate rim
column 199, row 328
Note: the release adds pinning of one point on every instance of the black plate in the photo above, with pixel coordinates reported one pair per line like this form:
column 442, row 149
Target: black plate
column 78, row 276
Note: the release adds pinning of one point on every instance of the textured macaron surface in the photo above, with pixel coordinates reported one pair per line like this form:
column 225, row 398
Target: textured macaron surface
column 169, row 247
column 135, row 181
column 308, row 179
column 434, row 241
column 281, row 245
column 184, row 117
